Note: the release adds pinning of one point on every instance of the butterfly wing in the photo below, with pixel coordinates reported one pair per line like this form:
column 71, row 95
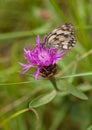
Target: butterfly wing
column 62, row 37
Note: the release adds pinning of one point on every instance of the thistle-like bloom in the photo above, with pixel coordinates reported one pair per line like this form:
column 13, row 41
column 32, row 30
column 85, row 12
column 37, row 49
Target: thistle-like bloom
column 40, row 57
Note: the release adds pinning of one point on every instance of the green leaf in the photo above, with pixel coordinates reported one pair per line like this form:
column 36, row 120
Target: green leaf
column 62, row 93
column 76, row 92
column 89, row 128
column 85, row 87
column 43, row 99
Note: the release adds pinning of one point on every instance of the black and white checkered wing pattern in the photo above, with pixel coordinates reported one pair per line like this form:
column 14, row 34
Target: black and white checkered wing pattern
column 62, row 37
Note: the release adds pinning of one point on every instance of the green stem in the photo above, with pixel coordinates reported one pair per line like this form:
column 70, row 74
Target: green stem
column 53, row 81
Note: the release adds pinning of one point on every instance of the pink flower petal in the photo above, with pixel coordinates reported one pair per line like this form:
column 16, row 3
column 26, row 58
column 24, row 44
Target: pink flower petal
column 38, row 41
column 37, row 73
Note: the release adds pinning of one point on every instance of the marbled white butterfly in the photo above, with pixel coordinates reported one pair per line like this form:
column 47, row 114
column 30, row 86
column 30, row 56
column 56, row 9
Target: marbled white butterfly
column 61, row 37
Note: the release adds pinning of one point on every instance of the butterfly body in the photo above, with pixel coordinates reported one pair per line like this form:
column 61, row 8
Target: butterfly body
column 61, row 37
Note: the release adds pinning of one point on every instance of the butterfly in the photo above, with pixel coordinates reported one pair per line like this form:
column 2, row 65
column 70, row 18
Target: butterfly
column 61, row 37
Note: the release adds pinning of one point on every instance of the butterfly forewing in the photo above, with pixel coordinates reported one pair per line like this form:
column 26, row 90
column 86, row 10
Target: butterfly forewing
column 61, row 37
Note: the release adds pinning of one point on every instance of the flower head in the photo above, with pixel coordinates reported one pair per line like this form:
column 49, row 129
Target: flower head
column 40, row 56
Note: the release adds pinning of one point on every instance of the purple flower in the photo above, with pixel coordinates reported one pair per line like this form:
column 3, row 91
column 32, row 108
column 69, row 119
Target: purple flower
column 40, row 56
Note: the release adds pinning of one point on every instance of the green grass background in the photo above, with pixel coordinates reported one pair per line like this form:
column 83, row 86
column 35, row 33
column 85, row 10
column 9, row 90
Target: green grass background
column 20, row 22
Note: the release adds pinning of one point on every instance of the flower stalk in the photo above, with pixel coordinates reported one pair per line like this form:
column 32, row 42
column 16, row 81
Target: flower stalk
column 53, row 81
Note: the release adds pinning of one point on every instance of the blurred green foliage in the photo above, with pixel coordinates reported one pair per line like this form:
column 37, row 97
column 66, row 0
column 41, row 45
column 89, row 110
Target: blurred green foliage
column 20, row 22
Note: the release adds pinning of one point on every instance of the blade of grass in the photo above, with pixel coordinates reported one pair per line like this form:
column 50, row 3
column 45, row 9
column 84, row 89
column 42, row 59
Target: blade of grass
column 58, row 10
column 63, row 77
column 13, row 116
column 19, row 101
column 76, row 75
column 37, row 31
column 78, row 20
column 19, row 113
column 73, row 62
